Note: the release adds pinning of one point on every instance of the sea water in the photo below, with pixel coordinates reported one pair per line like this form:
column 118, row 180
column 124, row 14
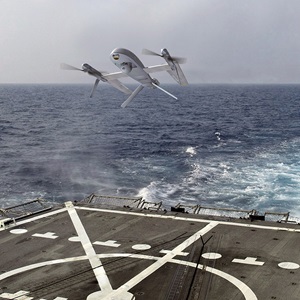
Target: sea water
column 231, row 146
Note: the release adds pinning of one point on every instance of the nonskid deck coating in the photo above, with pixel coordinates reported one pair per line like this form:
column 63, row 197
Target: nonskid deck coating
column 80, row 252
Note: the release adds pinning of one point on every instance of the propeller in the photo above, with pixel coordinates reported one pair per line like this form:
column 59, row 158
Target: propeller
column 149, row 52
column 180, row 60
column 69, row 67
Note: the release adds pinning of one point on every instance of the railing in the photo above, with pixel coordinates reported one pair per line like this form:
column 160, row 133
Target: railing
column 25, row 209
column 139, row 202
column 134, row 202
column 40, row 205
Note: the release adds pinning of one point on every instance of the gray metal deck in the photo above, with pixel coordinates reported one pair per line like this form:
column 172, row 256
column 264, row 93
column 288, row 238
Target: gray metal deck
column 91, row 251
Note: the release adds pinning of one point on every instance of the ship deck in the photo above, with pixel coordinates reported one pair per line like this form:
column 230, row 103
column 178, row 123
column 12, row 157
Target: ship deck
column 85, row 251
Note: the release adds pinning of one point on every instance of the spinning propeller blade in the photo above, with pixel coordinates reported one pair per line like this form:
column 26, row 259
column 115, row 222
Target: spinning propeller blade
column 149, row 52
column 180, row 60
column 69, row 67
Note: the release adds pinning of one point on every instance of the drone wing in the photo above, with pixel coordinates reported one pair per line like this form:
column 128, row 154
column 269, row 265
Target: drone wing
column 175, row 71
column 158, row 68
column 120, row 86
column 112, row 79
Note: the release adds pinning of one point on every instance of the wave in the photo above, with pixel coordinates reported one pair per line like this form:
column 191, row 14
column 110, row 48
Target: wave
column 75, row 146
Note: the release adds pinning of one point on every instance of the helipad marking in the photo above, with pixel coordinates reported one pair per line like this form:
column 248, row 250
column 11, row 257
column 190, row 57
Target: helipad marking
column 160, row 262
column 288, row 265
column 47, row 235
column 168, row 217
column 74, row 239
column 95, row 262
column 18, row 231
column 168, row 251
column 57, row 298
column 244, row 289
column 141, row 247
column 99, row 295
column 211, row 255
column 248, row 261
column 21, row 295
column 109, row 243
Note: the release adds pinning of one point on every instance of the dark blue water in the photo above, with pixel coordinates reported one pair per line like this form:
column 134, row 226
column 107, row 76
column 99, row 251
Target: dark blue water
column 222, row 145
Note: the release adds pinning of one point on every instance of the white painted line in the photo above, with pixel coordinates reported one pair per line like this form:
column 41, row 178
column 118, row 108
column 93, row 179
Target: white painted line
column 158, row 216
column 95, row 262
column 244, row 289
column 58, row 298
column 21, row 295
column 39, row 265
column 248, row 261
column 74, row 239
column 47, row 235
column 55, row 212
column 160, row 262
column 195, row 220
column 109, row 243
column 178, row 254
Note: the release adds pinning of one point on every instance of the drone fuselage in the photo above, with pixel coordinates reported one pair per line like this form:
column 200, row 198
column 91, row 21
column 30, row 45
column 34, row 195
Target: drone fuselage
column 131, row 65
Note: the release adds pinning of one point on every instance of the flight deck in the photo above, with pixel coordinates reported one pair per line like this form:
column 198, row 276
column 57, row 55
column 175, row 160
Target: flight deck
column 91, row 250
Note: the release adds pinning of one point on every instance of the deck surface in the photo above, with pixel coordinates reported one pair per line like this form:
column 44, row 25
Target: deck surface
column 85, row 252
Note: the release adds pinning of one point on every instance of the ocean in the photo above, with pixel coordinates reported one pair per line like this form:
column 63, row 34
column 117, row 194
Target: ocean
column 230, row 146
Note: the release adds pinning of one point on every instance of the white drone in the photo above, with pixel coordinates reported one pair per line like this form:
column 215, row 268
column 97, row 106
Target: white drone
column 131, row 66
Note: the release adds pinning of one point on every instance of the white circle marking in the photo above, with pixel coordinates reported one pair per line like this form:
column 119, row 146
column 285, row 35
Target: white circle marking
column 18, row 231
column 288, row 265
column 211, row 255
column 141, row 247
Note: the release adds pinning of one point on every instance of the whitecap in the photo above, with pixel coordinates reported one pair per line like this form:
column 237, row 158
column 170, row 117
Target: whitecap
column 191, row 150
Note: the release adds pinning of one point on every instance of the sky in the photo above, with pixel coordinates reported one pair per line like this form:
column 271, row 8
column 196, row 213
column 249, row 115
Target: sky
column 224, row 41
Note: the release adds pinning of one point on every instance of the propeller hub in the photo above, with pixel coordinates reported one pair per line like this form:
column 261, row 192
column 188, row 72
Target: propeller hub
column 85, row 67
column 164, row 52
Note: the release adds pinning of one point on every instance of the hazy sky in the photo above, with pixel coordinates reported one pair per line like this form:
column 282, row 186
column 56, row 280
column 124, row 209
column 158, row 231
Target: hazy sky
column 225, row 41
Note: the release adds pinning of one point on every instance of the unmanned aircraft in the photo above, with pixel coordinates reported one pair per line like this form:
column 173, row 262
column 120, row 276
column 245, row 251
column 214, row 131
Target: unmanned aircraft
column 131, row 66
